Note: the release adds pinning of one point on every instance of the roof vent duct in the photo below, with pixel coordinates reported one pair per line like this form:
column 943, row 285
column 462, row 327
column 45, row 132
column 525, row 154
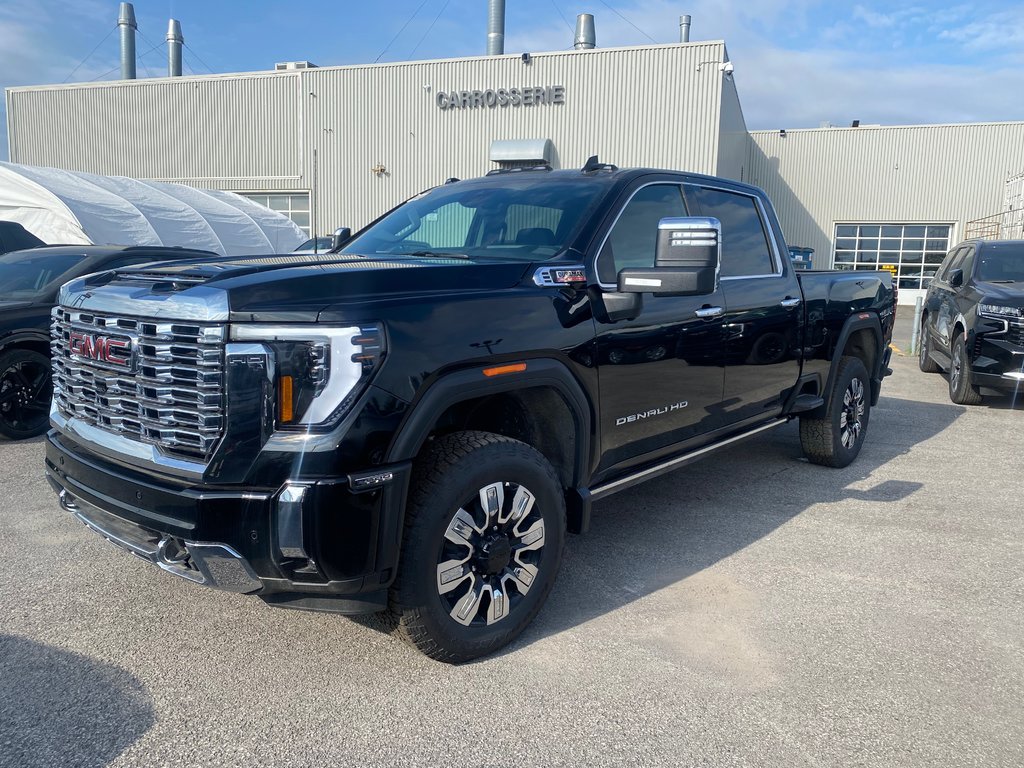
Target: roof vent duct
column 586, row 37
column 495, row 27
column 174, row 43
column 684, row 28
column 288, row 66
column 126, row 21
column 522, row 153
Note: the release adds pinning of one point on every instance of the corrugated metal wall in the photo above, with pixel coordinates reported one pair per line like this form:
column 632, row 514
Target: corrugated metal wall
column 733, row 145
column 643, row 106
column 938, row 173
column 204, row 131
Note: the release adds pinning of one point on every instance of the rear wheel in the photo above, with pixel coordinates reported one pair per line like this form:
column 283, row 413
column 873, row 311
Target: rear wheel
column 961, row 387
column 25, row 391
column 835, row 439
column 924, row 360
column 483, row 541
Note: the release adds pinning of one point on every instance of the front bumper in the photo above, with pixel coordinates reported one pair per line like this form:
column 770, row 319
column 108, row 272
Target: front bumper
column 998, row 362
column 314, row 543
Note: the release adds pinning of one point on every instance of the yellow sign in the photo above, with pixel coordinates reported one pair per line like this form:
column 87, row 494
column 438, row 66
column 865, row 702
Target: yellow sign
column 889, row 268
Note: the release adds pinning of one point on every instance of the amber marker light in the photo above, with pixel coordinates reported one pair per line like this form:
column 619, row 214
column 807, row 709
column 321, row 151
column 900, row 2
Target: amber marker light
column 501, row 370
column 285, row 403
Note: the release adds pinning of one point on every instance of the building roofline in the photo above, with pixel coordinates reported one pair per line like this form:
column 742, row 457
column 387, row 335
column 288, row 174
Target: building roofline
column 380, row 65
column 769, row 131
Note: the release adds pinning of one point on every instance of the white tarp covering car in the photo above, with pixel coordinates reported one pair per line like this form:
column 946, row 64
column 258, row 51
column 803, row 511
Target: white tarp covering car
column 72, row 207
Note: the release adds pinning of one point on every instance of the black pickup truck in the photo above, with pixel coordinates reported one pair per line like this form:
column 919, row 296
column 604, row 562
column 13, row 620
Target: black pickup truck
column 414, row 422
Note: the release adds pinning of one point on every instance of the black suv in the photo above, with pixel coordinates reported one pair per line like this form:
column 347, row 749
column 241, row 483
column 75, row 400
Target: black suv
column 973, row 320
column 29, row 281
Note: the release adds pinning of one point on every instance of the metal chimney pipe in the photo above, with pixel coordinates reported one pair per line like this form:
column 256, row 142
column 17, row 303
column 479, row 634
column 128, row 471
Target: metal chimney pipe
column 586, row 37
column 495, row 27
column 126, row 21
column 174, row 43
column 684, row 28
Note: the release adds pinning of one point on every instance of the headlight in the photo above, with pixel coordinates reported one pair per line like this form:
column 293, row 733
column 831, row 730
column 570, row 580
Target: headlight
column 998, row 310
column 319, row 370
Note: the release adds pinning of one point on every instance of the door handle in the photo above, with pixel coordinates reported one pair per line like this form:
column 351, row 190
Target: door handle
column 706, row 312
column 789, row 302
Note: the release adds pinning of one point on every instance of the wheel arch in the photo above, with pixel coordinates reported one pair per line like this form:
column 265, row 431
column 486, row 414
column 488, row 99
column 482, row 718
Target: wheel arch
column 544, row 406
column 37, row 342
column 861, row 336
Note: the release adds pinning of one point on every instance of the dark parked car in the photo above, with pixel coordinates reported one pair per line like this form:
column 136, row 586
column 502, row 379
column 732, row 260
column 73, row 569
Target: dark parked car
column 973, row 321
column 14, row 237
column 29, row 280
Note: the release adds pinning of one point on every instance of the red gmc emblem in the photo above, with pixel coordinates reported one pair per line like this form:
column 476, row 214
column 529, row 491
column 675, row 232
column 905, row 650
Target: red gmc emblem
column 114, row 350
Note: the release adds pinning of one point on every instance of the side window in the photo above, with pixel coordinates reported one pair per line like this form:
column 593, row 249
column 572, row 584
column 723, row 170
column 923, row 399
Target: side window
column 632, row 241
column 967, row 265
column 952, row 262
column 745, row 248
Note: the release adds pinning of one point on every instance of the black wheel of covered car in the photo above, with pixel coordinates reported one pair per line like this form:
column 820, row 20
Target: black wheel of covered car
column 25, row 391
column 961, row 388
column 835, row 439
column 924, row 360
column 483, row 539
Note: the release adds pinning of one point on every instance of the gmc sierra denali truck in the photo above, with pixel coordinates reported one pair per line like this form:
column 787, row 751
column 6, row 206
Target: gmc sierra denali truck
column 413, row 422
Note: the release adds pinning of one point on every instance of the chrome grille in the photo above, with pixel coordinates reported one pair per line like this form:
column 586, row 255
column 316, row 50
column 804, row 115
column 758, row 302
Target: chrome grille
column 172, row 393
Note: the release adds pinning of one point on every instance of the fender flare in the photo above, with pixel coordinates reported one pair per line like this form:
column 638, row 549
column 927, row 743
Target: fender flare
column 853, row 324
column 19, row 337
column 469, row 384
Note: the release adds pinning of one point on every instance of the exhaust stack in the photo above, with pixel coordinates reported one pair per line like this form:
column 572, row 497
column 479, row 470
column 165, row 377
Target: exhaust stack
column 126, row 21
column 586, row 37
column 684, row 28
column 495, row 27
column 174, row 43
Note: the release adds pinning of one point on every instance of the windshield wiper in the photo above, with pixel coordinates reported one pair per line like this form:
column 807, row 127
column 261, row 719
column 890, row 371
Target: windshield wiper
column 436, row 255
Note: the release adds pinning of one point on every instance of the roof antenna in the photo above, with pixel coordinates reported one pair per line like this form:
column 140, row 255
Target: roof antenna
column 593, row 164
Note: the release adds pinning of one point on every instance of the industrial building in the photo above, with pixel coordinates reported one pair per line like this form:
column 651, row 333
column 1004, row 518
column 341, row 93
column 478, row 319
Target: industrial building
column 334, row 146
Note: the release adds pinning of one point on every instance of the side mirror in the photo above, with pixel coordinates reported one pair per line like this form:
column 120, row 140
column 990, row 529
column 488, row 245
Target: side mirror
column 956, row 278
column 341, row 236
column 686, row 259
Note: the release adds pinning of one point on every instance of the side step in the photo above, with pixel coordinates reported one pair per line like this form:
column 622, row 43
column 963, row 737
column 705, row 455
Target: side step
column 806, row 403
column 622, row 483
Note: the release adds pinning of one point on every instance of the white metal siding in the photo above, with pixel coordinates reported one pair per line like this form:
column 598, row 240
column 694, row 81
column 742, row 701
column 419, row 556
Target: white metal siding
column 643, row 106
column 939, row 173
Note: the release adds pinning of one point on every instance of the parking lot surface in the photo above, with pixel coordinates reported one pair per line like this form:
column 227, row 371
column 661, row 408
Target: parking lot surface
column 752, row 609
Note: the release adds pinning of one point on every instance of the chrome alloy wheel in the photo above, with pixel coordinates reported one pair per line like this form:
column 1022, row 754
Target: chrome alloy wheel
column 956, row 368
column 850, row 419
column 488, row 560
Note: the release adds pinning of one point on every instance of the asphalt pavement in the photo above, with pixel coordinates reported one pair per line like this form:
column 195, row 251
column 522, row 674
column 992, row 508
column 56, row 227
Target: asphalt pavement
column 750, row 610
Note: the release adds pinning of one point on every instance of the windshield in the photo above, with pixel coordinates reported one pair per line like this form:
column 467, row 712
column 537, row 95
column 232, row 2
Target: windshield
column 1002, row 265
column 27, row 275
column 504, row 219
column 317, row 243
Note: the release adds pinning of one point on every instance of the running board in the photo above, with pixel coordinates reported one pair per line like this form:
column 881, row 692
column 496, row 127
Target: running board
column 607, row 489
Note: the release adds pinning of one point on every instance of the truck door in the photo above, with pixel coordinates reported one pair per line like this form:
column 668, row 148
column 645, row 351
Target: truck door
column 763, row 306
column 660, row 374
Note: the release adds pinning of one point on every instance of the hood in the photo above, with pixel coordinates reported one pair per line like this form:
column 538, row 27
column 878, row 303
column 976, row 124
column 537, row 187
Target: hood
column 215, row 289
column 1007, row 294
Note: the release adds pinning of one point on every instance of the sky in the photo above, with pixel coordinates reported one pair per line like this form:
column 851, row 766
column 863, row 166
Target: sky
column 798, row 64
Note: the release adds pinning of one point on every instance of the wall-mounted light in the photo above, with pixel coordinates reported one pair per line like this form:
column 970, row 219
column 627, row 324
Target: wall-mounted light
column 379, row 170
column 527, row 58
column 427, row 86
column 782, row 132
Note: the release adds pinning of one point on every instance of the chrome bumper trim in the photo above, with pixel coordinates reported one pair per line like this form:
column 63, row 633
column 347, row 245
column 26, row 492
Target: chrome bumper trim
column 216, row 565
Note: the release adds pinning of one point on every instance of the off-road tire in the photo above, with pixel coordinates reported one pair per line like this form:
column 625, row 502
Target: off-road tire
column 961, row 389
column 450, row 470
column 18, row 368
column 827, row 440
column 924, row 362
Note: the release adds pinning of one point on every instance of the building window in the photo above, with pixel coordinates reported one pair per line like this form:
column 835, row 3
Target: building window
column 294, row 205
column 912, row 251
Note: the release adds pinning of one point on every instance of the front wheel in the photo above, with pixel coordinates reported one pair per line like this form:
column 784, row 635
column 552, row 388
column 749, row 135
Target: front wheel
column 835, row 439
column 483, row 541
column 25, row 392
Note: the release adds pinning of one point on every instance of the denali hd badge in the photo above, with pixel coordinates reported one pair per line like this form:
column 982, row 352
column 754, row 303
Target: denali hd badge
column 113, row 350
column 648, row 414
